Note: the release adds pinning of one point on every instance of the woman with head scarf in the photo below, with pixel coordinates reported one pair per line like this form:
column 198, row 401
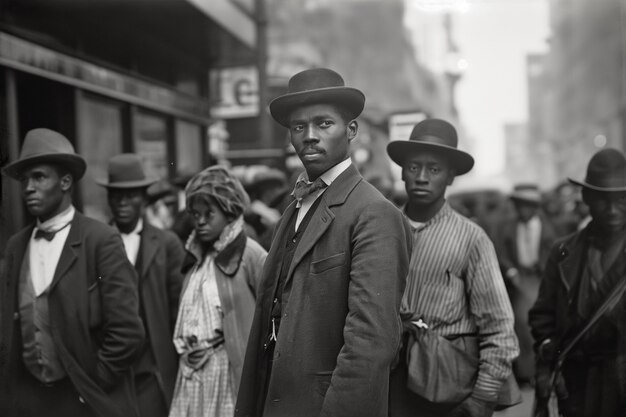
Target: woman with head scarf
column 218, row 297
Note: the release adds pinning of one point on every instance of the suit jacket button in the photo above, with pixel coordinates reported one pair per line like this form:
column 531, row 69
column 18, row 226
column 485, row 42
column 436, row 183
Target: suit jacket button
column 16, row 316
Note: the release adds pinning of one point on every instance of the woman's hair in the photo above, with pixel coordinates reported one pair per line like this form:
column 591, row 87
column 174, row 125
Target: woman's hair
column 220, row 185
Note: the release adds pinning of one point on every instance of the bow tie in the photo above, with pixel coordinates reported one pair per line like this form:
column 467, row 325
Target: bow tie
column 48, row 235
column 39, row 234
column 304, row 188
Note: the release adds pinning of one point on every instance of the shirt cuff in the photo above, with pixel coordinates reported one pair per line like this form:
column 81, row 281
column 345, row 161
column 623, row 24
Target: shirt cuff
column 487, row 388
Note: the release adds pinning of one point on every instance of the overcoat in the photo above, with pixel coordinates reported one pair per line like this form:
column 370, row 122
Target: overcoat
column 94, row 312
column 160, row 282
column 556, row 314
column 340, row 327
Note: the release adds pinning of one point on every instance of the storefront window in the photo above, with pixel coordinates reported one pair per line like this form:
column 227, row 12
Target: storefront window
column 150, row 142
column 99, row 138
column 188, row 148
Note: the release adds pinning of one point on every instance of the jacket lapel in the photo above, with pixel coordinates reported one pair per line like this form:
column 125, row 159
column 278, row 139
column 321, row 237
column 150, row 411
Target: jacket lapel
column 148, row 247
column 336, row 194
column 69, row 254
column 571, row 252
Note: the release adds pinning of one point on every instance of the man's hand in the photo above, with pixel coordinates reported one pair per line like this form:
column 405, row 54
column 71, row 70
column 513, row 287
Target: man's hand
column 473, row 407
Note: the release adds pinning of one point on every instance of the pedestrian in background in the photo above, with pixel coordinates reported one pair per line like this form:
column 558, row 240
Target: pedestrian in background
column 157, row 256
column 583, row 270
column 218, row 297
column 523, row 243
column 326, row 327
column 455, row 299
column 69, row 308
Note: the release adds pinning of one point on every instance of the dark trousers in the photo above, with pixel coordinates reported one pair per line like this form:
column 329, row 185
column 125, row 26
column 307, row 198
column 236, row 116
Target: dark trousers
column 60, row 398
column 149, row 396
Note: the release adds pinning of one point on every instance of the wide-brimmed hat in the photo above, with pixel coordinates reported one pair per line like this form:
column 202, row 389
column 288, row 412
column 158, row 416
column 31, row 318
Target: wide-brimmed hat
column 126, row 171
column 316, row 86
column 47, row 146
column 528, row 193
column 606, row 172
column 432, row 134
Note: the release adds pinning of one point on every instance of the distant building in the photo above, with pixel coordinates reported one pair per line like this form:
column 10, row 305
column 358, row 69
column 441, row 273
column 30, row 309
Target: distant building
column 114, row 76
column 585, row 81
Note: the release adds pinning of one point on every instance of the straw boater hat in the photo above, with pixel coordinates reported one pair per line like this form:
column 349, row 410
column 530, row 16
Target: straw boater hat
column 528, row 193
column 126, row 171
column 435, row 135
column 316, row 86
column 606, row 172
column 43, row 146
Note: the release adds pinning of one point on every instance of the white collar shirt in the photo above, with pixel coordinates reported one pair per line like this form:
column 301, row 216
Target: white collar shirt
column 528, row 240
column 132, row 241
column 44, row 255
column 328, row 177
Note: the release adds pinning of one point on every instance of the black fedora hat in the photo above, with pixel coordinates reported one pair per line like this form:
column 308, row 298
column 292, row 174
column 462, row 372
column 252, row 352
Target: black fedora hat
column 47, row 146
column 432, row 134
column 126, row 171
column 316, row 86
column 606, row 172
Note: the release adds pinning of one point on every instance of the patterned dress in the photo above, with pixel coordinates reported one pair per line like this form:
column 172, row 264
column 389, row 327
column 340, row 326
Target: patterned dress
column 203, row 385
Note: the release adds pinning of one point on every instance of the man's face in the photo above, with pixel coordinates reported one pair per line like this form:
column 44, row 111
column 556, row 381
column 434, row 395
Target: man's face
column 43, row 190
column 426, row 175
column 127, row 205
column 525, row 210
column 608, row 209
column 321, row 137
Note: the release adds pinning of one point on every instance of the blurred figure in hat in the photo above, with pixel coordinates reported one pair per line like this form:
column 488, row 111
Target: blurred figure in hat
column 70, row 328
column 326, row 329
column 157, row 256
column 523, row 243
column 162, row 204
column 454, row 286
column 583, row 270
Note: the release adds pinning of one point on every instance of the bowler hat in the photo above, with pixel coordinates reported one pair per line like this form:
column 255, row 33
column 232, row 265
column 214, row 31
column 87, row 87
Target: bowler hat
column 528, row 193
column 47, row 146
column 316, row 86
column 432, row 134
column 606, row 172
column 126, row 171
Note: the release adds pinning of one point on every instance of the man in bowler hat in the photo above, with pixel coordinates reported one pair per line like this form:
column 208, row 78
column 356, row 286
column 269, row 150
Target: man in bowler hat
column 583, row 269
column 157, row 256
column 69, row 309
column 454, row 286
column 326, row 327
column 523, row 243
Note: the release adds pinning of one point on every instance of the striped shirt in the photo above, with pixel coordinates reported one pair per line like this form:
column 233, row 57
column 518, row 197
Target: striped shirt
column 455, row 285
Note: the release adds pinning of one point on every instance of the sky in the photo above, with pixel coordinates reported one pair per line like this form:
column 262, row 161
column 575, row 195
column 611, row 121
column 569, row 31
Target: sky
column 494, row 37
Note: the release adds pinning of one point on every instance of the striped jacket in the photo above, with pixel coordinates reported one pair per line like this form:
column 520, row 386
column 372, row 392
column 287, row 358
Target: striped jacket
column 455, row 285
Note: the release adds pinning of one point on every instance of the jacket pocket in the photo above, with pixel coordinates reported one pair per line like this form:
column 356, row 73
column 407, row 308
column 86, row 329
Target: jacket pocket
column 325, row 264
column 322, row 382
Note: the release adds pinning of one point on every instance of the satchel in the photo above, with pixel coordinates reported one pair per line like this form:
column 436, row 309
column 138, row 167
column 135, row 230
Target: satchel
column 443, row 371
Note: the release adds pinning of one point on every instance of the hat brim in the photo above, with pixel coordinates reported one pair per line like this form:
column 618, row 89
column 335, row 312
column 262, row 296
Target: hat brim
column 349, row 98
column 127, row 184
column 526, row 199
column 596, row 188
column 74, row 163
column 398, row 150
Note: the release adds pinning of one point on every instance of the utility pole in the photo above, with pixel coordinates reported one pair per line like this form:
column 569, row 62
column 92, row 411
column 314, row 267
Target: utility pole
column 265, row 133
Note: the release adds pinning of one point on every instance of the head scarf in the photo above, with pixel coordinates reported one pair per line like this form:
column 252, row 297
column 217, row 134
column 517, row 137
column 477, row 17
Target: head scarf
column 217, row 182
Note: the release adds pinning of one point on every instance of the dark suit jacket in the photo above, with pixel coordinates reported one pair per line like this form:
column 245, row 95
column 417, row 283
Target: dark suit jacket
column 160, row 282
column 93, row 306
column 506, row 243
column 340, row 329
